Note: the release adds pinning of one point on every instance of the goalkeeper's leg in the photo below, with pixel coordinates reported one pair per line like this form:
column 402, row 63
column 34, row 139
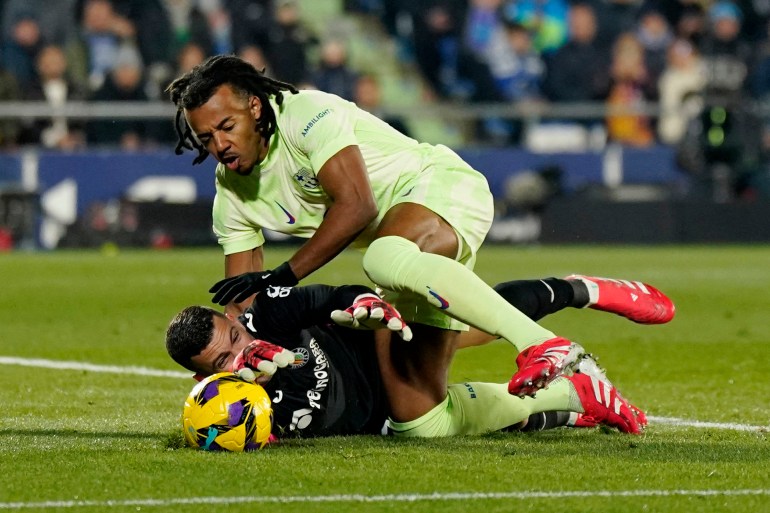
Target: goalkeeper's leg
column 476, row 408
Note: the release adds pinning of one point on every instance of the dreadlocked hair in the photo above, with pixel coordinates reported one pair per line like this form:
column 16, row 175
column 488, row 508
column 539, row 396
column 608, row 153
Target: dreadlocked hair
column 198, row 85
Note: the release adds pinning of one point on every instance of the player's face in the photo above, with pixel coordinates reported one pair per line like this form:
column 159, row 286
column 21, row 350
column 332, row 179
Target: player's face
column 227, row 341
column 226, row 126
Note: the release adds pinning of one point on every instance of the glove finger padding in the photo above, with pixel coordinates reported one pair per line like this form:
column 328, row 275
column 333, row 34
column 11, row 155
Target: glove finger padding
column 369, row 311
column 345, row 318
column 260, row 360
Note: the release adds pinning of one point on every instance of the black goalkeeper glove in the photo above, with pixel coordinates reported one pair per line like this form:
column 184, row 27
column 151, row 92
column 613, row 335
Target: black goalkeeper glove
column 239, row 288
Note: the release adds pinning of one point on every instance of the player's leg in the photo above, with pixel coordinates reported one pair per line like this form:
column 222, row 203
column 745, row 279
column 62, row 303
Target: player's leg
column 634, row 300
column 414, row 252
column 476, row 408
column 451, row 201
column 533, row 298
column 415, row 373
column 396, row 262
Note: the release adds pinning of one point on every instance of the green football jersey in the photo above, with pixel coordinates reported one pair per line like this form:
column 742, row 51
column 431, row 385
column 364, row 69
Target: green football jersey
column 283, row 192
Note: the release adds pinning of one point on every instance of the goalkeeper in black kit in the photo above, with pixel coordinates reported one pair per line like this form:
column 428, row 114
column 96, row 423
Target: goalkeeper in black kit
column 326, row 377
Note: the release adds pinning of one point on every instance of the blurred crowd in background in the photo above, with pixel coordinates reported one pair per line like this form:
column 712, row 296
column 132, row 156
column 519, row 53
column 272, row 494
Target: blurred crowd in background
column 682, row 55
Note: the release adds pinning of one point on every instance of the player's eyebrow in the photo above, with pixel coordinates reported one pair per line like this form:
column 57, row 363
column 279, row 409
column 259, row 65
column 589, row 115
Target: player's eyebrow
column 219, row 126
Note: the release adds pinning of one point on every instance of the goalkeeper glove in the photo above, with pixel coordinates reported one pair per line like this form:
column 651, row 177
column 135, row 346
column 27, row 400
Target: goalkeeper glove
column 239, row 288
column 369, row 311
column 260, row 360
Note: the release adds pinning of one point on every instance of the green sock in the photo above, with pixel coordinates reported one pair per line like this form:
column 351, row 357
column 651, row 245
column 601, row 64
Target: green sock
column 398, row 264
column 476, row 408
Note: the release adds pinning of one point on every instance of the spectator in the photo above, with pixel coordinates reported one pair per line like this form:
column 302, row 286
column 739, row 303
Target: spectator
column 435, row 35
column 188, row 25
column 483, row 32
column 250, row 22
column 20, row 51
column 691, row 24
column 9, row 91
column 56, row 88
column 578, row 70
column 256, row 57
column 102, row 33
column 288, row 44
column 546, row 21
column 629, row 89
column 220, row 25
column 519, row 72
column 656, row 37
column 760, row 76
column 189, row 56
column 491, row 40
column 680, row 88
column 368, row 96
column 333, row 74
column 615, row 17
column 124, row 83
column 153, row 29
column 55, row 18
column 727, row 54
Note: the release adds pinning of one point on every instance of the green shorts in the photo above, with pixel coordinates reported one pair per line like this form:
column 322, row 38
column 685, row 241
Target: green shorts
column 459, row 194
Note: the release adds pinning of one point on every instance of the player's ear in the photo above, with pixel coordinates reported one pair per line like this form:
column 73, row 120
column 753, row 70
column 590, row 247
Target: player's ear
column 230, row 316
column 255, row 106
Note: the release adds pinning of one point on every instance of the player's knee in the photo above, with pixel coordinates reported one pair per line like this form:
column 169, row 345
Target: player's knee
column 384, row 259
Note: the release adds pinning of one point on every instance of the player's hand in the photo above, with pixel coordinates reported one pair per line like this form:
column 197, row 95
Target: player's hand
column 371, row 312
column 260, row 360
column 239, row 288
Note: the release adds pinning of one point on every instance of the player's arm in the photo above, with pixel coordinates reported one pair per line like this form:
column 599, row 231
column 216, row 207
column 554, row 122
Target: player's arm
column 345, row 180
column 240, row 263
column 352, row 207
column 283, row 312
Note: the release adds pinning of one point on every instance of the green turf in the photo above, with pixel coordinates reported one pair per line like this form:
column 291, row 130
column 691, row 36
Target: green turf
column 113, row 439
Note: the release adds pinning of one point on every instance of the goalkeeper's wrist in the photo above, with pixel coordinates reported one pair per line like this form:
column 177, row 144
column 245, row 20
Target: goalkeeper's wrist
column 283, row 275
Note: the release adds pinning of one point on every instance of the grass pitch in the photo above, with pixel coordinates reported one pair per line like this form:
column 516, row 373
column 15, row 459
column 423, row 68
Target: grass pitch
column 82, row 440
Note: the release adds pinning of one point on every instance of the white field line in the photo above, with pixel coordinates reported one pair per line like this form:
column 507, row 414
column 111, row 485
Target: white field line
column 360, row 498
column 85, row 366
column 146, row 371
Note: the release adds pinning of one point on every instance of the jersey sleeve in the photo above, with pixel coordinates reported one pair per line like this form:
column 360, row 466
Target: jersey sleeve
column 233, row 232
column 320, row 125
column 280, row 313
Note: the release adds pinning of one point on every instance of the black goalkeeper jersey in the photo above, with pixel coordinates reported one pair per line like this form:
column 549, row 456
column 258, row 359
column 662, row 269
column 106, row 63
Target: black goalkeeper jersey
column 334, row 385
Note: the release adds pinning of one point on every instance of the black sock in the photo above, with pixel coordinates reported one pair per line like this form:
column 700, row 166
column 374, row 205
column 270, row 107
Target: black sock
column 579, row 292
column 546, row 420
column 538, row 298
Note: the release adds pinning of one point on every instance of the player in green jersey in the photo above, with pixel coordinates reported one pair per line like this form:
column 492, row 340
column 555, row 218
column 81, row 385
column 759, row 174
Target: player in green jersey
column 313, row 165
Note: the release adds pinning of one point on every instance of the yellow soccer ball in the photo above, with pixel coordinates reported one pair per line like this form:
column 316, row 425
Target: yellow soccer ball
column 226, row 413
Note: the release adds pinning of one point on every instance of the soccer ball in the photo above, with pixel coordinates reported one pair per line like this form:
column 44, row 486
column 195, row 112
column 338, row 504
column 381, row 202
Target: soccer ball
column 225, row 413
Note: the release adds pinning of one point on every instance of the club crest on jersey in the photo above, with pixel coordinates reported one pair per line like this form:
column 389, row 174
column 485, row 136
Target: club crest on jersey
column 306, row 179
column 301, row 357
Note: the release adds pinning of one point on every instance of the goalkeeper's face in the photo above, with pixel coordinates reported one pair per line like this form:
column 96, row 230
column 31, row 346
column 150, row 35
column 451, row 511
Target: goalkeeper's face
column 228, row 339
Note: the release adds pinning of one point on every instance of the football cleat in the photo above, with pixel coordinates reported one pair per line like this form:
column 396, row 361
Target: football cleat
column 539, row 365
column 634, row 300
column 601, row 401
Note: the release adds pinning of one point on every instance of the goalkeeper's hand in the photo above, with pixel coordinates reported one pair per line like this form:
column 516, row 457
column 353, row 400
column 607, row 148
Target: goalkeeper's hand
column 260, row 360
column 371, row 312
column 239, row 288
